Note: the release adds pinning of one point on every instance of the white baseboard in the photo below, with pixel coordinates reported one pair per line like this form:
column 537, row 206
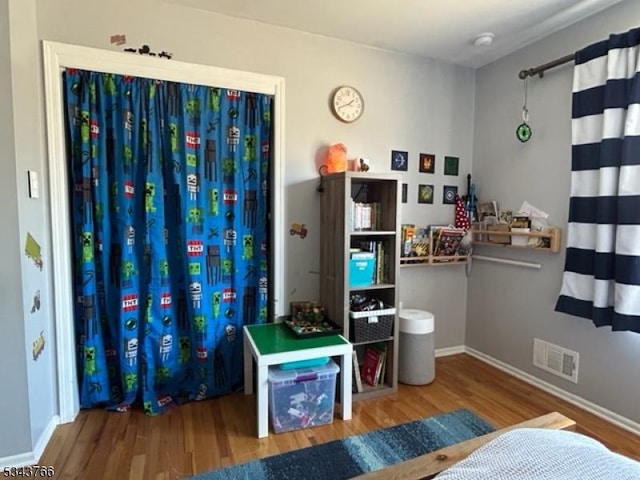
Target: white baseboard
column 20, row 460
column 32, row 458
column 445, row 352
column 590, row 407
column 45, row 437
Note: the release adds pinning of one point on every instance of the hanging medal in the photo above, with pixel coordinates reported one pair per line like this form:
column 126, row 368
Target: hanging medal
column 523, row 132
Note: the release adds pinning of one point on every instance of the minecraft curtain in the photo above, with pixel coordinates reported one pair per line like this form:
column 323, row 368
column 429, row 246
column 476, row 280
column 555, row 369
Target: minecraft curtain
column 169, row 227
column 602, row 268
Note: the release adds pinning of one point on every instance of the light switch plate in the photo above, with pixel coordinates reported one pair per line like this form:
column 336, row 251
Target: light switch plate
column 33, row 184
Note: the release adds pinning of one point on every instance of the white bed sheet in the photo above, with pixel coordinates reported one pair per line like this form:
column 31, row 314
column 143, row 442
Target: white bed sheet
column 543, row 454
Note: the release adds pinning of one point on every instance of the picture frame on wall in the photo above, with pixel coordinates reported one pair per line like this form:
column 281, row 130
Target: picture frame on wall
column 427, row 163
column 451, row 165
column 404, row 192
column 399, row 160
column 425, row 194
column 449, row 193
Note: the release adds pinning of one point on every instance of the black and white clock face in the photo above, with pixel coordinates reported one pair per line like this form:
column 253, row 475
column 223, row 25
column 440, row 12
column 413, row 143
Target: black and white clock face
column 347, row 104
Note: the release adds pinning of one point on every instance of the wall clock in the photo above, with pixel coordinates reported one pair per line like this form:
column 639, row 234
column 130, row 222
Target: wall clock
column 347, row 104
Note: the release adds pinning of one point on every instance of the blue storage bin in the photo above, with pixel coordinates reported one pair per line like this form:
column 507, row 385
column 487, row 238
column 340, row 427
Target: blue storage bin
column 302, row 397
column 314, row 362
column 361, row 271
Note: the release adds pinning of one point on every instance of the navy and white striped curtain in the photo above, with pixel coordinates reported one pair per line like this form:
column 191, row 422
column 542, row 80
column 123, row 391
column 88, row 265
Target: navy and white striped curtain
column 602, row 269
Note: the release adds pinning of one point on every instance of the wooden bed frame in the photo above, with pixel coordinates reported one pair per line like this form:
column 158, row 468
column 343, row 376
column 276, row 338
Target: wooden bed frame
column 429, row 465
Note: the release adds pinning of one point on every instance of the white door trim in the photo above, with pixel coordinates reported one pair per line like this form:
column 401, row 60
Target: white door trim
column 57, row 57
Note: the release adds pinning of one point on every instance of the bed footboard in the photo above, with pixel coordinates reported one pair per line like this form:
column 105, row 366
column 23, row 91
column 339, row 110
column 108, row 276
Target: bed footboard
column 429, row 465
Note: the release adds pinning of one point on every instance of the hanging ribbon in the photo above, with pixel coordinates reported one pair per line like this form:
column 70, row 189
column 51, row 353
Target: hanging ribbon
column 524, row 132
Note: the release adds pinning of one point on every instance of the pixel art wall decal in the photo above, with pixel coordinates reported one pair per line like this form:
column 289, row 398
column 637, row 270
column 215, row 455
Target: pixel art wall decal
column 33, row 251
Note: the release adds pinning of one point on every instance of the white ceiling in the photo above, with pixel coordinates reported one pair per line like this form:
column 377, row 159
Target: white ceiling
column 442, row 29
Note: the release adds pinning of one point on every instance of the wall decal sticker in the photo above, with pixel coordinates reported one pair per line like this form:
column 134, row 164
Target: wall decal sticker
column 36, row 302
column 38, row 346
column 33, row 251
column 299, row 229
column 118, row 39
column 146, row 50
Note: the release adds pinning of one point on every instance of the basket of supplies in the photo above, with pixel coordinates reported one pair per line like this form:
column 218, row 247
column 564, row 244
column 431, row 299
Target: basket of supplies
column 372, row 325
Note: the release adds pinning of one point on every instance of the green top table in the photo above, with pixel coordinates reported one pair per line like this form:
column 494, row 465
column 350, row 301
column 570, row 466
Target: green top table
column 273, row 344
column 277, row 337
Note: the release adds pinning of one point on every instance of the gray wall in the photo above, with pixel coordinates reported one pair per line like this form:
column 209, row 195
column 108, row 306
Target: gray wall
column 509, row 306
column 14, row 414
column 410, row 104
column 28, row 108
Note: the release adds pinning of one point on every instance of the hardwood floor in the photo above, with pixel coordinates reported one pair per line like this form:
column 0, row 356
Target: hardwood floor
column 203, row 436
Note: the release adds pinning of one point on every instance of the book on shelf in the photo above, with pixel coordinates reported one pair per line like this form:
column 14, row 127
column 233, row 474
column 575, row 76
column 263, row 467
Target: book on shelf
column 364, row 216
column 407, row 232
column 357, row 379
column 370, row 365
column 376, row 251
column 447, row 240
column 383, row 369
column 373, row 364
column 379, row 277
column 487, row 209
column 363, row 255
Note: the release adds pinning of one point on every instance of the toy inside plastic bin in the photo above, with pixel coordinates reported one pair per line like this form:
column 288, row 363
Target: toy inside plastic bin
column 302, row 397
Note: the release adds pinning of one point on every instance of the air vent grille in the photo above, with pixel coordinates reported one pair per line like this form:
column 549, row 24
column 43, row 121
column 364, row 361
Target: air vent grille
column 557, row 360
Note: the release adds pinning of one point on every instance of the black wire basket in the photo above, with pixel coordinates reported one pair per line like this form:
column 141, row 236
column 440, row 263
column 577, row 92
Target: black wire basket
column 372, row 325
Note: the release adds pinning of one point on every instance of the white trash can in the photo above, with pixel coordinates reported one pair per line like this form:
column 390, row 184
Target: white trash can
column 416, row 356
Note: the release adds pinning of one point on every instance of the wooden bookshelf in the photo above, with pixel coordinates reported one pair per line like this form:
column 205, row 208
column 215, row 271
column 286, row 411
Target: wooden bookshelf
column 336, row 239
column 554, row 235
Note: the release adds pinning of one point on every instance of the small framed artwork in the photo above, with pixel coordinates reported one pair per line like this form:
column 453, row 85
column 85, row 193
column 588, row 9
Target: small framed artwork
column 404, row 192
column 425, row 193
column 451, row 165
column 449, row 193
column 427, row 163
column 399, row 160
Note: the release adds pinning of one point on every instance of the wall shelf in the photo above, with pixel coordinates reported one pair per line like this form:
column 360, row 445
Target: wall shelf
column 434, row 261
column 554, row 234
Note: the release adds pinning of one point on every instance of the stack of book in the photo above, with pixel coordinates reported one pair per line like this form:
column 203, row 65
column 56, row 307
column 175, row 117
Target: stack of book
column 364, row 216
column 374, row 251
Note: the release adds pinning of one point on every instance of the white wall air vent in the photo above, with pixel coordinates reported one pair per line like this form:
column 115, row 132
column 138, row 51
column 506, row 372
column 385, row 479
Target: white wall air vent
column 555, row 359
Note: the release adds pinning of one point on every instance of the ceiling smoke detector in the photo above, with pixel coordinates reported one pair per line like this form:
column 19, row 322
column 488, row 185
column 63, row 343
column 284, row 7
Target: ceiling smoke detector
column 483, row 40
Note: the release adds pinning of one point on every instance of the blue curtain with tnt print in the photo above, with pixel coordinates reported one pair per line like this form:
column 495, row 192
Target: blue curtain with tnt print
column 170, row 187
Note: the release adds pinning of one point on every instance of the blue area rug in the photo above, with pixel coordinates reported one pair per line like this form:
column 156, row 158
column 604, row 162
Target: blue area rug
column 352, row 456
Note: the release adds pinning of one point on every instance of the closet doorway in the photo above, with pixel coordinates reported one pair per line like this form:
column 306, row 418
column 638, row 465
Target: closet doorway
column 58, row 57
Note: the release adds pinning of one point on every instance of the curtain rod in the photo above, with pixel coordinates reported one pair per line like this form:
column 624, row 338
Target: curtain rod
column 507, row 261
column 541, row 69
